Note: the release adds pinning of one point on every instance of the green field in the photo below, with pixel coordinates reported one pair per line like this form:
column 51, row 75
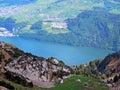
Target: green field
column 70, row 84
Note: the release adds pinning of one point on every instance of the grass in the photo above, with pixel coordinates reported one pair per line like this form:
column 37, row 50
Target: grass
column 51, row 30
column 69, row 84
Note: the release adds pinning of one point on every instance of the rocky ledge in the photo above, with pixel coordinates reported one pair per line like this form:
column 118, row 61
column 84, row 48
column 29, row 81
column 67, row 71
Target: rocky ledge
column 39, row 71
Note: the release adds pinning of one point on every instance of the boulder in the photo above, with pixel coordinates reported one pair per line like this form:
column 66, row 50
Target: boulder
column 78, row 81
column 61, row 82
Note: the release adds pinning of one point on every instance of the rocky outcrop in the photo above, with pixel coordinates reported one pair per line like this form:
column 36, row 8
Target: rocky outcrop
column 40, row 71
column 111, row 63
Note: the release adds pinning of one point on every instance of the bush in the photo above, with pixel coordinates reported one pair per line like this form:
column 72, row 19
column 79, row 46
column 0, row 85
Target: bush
column 7, row 85
column 18, row 79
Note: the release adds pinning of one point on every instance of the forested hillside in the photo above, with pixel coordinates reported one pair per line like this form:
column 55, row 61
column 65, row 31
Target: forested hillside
column 97, row 29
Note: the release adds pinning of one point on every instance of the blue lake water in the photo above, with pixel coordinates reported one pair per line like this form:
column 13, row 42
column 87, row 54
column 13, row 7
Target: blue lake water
column 71, row 55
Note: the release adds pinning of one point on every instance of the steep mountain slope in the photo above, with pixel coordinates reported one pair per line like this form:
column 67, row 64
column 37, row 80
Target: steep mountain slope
column 111, row 64
column 26, row 69
column 99, row 29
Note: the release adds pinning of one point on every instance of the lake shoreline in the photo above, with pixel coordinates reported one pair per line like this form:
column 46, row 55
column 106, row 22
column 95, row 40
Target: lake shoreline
column 71, row 55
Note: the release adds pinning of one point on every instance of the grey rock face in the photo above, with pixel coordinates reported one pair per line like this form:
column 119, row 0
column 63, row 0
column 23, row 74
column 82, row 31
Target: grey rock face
column 39, row 70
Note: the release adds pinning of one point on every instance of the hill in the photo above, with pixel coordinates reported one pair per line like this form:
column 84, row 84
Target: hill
column 98, row 28
column 111, row 65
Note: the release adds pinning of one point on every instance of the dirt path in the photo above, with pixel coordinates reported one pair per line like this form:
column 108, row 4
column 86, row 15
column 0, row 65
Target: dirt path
column 44, row 84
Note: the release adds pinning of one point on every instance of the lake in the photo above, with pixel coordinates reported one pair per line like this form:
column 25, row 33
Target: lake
column 71, row 55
